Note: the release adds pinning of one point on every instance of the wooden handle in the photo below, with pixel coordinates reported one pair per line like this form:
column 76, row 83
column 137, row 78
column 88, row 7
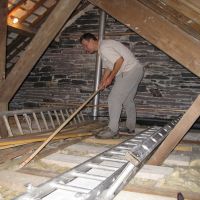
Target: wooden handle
column 57, row 130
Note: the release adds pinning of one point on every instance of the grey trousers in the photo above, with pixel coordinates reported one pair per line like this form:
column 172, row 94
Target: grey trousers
column 123, row 94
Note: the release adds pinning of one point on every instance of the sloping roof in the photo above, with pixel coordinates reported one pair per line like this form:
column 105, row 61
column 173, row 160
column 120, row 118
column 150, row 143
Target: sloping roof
column 25, row 17
column 24, row 20
column 32, row 13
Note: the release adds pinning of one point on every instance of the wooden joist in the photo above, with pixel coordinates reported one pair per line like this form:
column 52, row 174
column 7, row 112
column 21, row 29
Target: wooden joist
column 3, row 36
column 176, row 134
column 156, row 29
column 187, row 10
column 37, row 46
column 40, row 138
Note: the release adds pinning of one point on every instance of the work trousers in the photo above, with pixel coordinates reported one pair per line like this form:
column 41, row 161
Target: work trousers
column 122, row 95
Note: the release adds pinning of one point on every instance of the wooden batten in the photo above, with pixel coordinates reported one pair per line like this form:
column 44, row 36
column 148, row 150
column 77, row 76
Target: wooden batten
column 37, row 46
column 156, row 29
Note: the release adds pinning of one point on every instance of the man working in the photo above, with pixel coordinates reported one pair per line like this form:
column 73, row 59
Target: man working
column 120, row 64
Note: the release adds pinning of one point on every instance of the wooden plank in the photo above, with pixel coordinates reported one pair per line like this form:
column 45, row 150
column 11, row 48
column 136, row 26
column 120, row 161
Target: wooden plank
column 39, row 172
column 194, row 4
column 36, row 47
column 177, row 133
column 177, row 18
column 3, row 130
column 168, row 37
column 3, row 36
column 184, row 9
column 41, row 138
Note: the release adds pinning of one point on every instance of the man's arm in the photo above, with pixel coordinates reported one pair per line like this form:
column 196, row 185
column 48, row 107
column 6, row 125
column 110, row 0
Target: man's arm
column 104, row 77
column 113, row 73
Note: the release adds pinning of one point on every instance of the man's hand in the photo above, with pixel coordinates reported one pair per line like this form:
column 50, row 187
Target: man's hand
column 105, row 83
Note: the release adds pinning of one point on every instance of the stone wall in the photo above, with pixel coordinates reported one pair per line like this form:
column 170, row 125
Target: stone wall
column 65, row 74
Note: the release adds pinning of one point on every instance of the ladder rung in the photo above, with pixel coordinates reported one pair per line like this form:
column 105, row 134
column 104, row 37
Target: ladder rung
column 28, row 121
column 89, row 176
column 69, row 188
column 36, row 121
column 102, row 167
column 71, row 112
column 123, row 148
column 62, row 115
column 18, row 124
column 116, row 153
column 146, row 148
column 113, row 159
column 130, row 144
column 82, row 116
column 44, row 120
column 51, row 119
column 57, row 118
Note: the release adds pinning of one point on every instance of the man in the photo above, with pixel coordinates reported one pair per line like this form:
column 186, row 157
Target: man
column 120, row 64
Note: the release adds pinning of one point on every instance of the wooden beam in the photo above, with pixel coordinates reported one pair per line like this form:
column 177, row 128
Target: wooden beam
column 184, row 9
column 157, row 30
column 36, row 47
column 3, row 37
column 174, row 16
column 194, row 4
column 3, row 130
column 177, row 133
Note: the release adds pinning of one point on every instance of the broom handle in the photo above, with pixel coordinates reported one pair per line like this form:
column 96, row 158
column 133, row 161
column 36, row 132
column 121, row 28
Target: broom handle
column 58, row 130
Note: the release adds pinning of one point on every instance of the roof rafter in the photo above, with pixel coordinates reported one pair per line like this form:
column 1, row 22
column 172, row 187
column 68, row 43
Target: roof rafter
column 35, row 49
column 169, row 38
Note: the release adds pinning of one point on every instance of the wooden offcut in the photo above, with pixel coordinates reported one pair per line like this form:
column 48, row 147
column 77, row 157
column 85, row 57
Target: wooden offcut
column 37, row 46
column 177, row 133
column 156, row 29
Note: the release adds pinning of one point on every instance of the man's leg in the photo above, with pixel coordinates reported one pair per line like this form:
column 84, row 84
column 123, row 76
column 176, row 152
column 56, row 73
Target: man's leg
column 114, row 106
column 129, row 106
column 129, row 103
column 126, row 84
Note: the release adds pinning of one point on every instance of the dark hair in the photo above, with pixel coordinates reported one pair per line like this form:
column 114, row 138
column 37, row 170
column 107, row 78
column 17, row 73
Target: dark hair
column 87, row 36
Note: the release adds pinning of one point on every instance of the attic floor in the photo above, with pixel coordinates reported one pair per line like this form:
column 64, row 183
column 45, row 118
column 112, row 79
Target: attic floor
column 179, row 173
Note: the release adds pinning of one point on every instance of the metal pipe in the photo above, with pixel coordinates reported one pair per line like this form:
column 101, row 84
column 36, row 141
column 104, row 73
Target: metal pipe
column 98, row 65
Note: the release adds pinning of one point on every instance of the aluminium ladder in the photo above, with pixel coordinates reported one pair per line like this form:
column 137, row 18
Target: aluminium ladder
column 39, row 120
column 103, row 176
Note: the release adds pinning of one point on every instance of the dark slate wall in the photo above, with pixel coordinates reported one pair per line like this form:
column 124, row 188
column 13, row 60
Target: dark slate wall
column 65, row 74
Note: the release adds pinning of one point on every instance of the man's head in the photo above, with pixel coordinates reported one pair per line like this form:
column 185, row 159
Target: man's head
column 89, row 42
